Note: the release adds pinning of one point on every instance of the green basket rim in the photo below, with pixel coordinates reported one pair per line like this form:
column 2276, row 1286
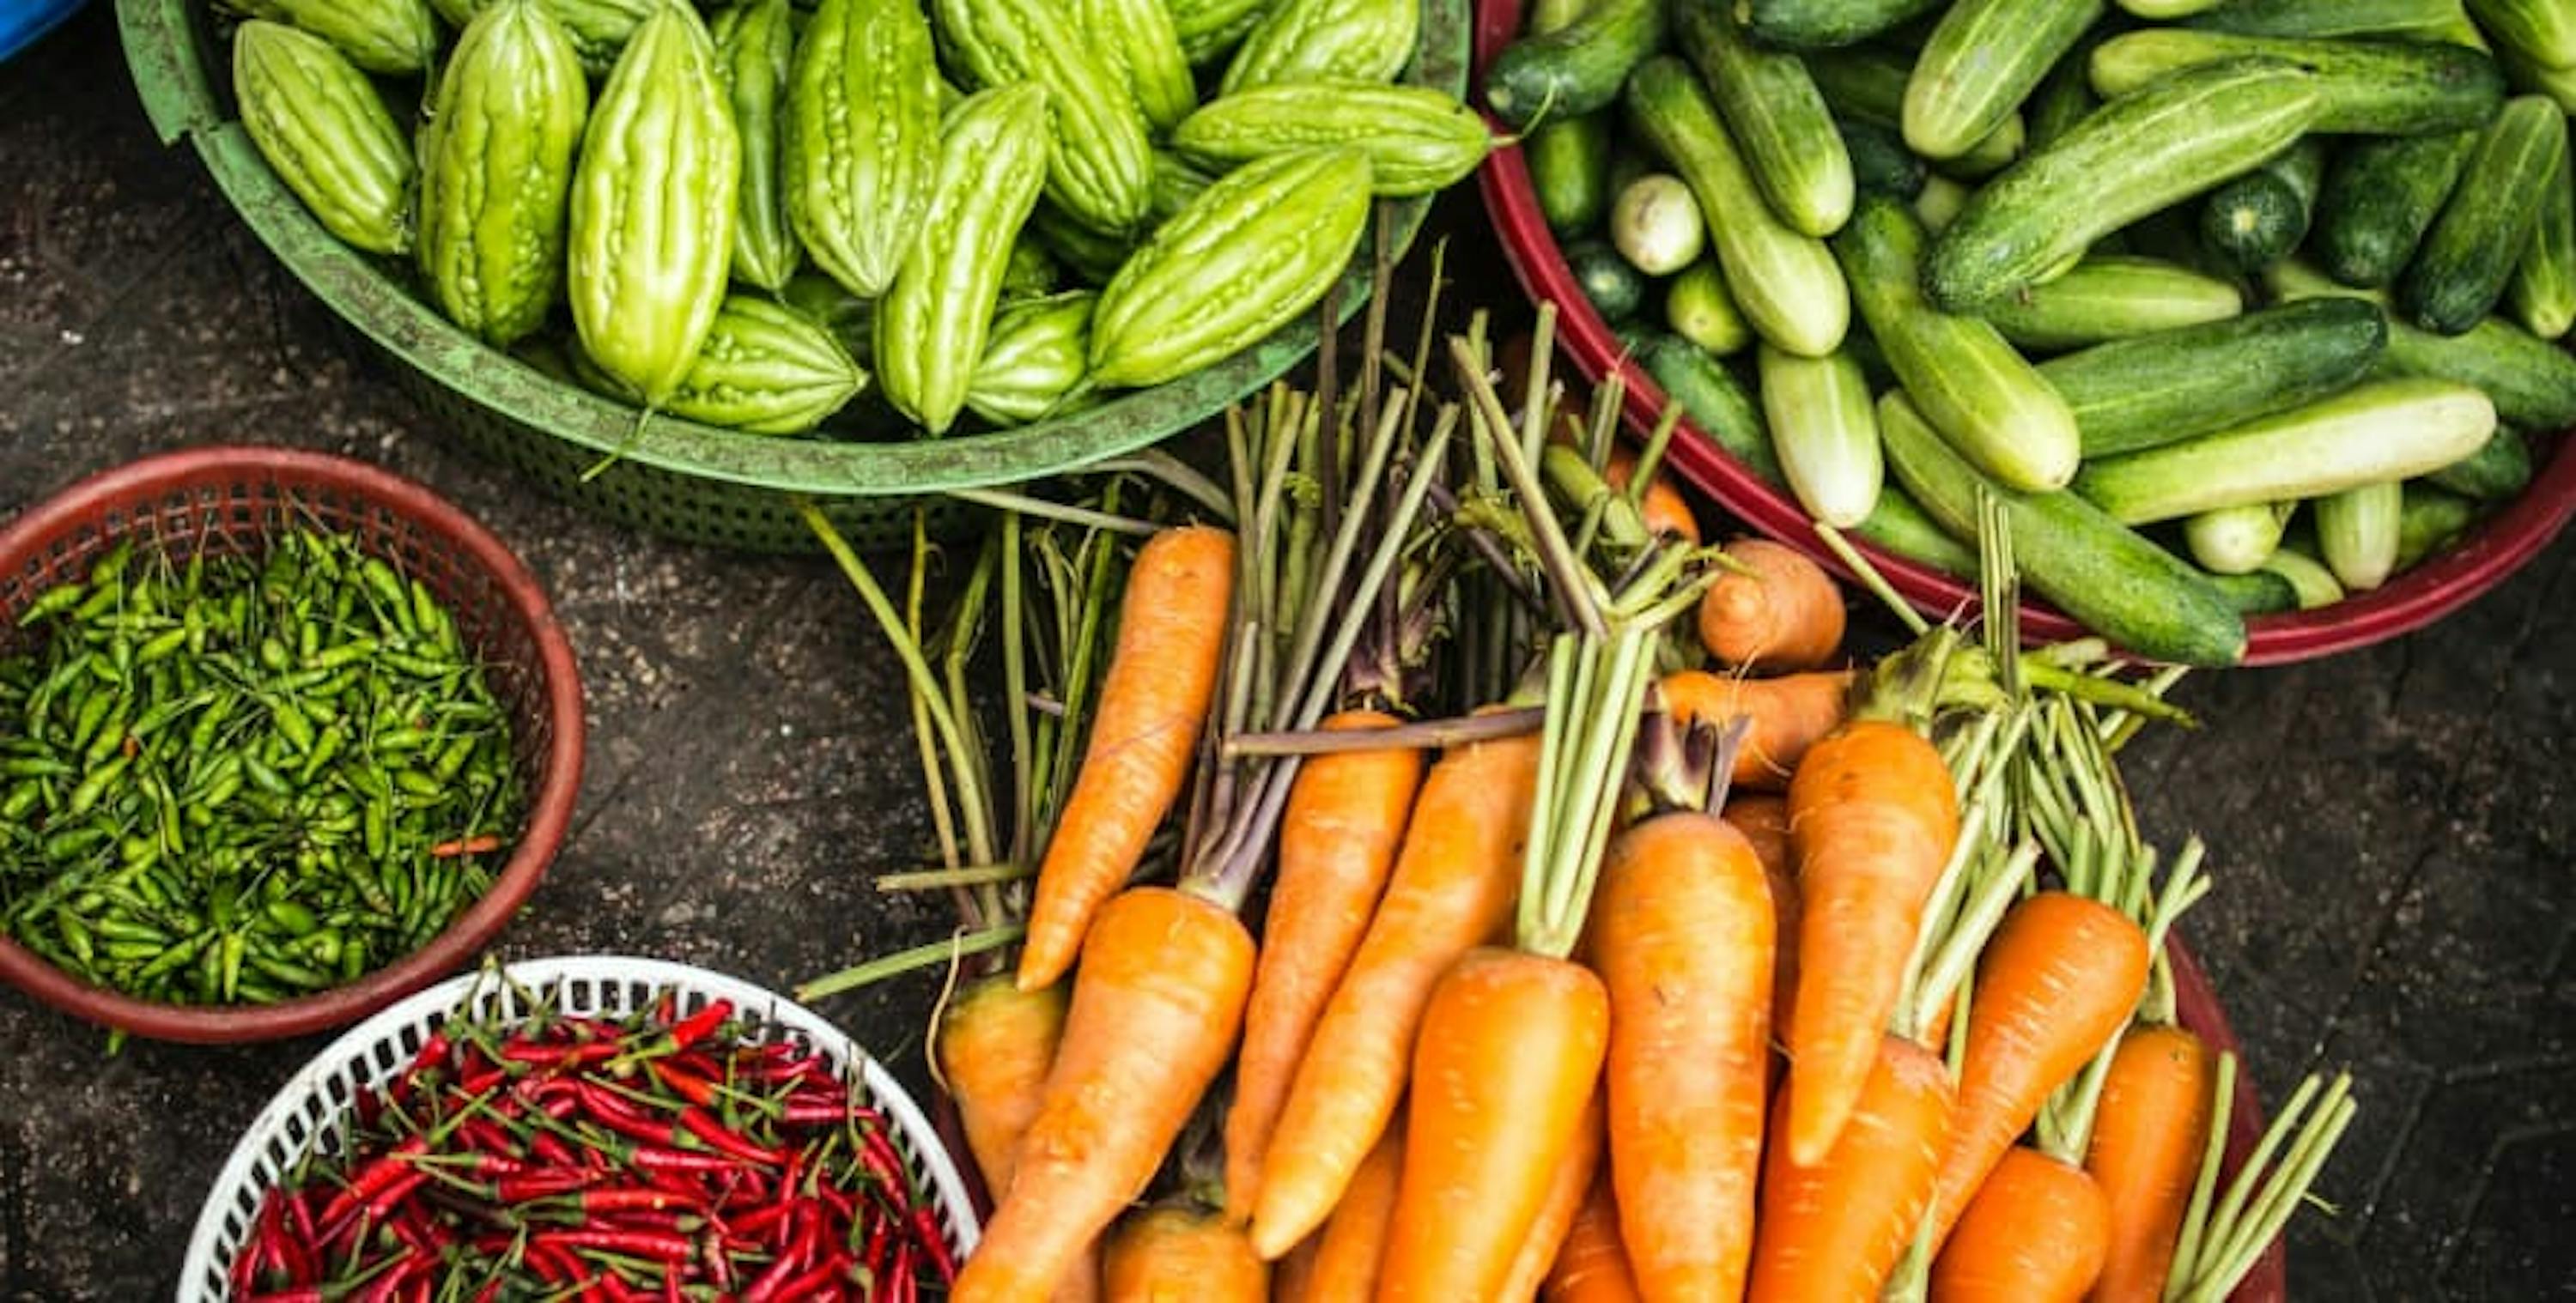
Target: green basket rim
column 168, row 60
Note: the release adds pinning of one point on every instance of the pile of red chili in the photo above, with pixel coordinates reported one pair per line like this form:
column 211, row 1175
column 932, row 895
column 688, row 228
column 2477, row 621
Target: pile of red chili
column 556, row 1157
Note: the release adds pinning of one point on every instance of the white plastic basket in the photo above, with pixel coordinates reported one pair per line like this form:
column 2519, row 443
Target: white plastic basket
column 317, row 1102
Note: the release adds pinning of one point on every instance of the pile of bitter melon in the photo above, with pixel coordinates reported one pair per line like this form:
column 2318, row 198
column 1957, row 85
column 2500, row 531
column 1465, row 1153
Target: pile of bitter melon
column 1003, row 207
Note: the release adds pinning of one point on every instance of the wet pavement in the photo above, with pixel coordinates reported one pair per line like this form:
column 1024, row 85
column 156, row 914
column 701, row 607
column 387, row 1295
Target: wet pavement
column 2393, row 832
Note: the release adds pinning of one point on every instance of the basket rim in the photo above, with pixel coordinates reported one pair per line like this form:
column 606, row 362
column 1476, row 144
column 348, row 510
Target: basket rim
column 550, row 806
column 947, row 1187
column 165, row 55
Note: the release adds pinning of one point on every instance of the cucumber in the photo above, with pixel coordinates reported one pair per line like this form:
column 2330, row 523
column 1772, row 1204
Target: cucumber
column 2256, row 219
column 1711, row 397
column 1880, row 162
column 1868, row 84
column 2460, row 273
column 2236, row 540
column 2393, row 88
column 2177, row 384
column 1824, row 431
column 2133, row 156
column 1823, row 24
column 2542, row 31
column 1776, row 117
column 2532, row 382
column 2524, row 75
column 2380, row 196
column 1984, row 58
column 2112, row 296
column 2109, row 577
column 1900, row 525
column 2357, row 531
column 1569, row 168
column 1979, row 393
column 2429, row 520
column 1656, row 225
column 2308, row 577
column 2413, row 19
column 2163, row 10
column 2380, row 430
column 2262, row 592
column 1609, row 281
column 2498, row 469
column 2064, row 96
column 1698, row 308
column 1785, row 281
column 2543, row 287
column 1940, row 202
column 1576, row 68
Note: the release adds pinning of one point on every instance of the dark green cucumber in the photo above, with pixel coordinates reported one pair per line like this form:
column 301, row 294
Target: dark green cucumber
column 2532, row 381
column 1824, row 24
column 1711, row 397
column 2258, row 218
column 2259, row 593
column 1616, row 289
column 1576, row 68
column 2543, row 288
column 1867, row 84
column 2380, row 196
column 2177, row 384
column 1776, row 117
column 2395, row 88
column 2107, row 576
column 1985, row 58
column 1880, row 162
column 2428, row 520
column 2064, row 96
column 2417, row 19
column 2129, row 158
column 2460, row 273
column 1900, row 525
column 2112, row 296
column 1569, row 168
column 2498, row 469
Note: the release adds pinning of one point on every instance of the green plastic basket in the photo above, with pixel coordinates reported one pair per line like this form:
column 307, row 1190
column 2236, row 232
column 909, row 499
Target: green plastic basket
column 675, row 477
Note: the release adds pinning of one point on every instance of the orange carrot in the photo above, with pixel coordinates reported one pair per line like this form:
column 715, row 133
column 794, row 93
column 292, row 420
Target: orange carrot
column 1682, row 929
column 1872, row 817
column 1352, row 1246
column 1665, row 509
column 1453, row 885
column 1592, row 1265
column 1784, row 717
column 1509, row 1054
column 1780, row 613
column 1177, row 1253
column 1564, row 1201
column 1292, row 1278
column 1833, row 1230
column 1164, row 977
column 2148, row 1132
column 2036, row 1232
column 1764, row 821
column 1337, row 843
column 2057, row 980
column 1153, row 702
column 995, row 1045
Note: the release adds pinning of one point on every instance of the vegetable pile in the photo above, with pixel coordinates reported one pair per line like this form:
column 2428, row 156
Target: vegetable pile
column 239, row 779
column 2160, row 277
column 1003, row 208
column 659, row 1155
column 1509, row 772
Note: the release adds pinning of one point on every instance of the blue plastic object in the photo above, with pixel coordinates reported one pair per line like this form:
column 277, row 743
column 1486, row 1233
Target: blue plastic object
column 22, row 22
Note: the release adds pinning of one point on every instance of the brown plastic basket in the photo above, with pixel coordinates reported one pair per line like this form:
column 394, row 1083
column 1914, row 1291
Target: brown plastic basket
column 227, row 499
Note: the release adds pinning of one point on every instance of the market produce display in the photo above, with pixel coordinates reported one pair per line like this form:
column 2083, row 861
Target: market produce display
column 625, row 192
column 2159, row 275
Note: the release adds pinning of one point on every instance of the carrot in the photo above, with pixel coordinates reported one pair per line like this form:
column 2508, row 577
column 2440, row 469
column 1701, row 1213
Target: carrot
column 1872, row 817
column 1780, row 613
column 1337, row 842
column 1153, row 702
column 2036, row 1232
column 1164, row 977
column 1177, row 1253
column 1682, row 929
column 1785, row 717
column 1292, row 1278
column 2057, row 980
column 1351, row 1247
column 994, row 1047
column 1833, row 1230
column 1592, row 1265
column 2148, row 1132
column 1510, row 1049
column 1665, row 509
column 1764, row 821
column 1452, row 886
column 1556, row 1214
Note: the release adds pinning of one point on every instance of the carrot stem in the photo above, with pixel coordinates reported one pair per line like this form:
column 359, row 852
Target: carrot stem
column 959, row 946
column 971, row 875
column 1573, row 586
column 1003, row 500
column 1174, row 474
column 1602, row 688
column 1871, row 579
column 1428, row 735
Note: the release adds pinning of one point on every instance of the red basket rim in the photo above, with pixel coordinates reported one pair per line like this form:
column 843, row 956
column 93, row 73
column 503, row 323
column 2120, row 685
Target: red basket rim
column 550, row 807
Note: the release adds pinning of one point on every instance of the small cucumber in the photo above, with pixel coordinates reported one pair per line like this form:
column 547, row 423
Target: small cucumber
column 1569, row 167
column 1825, row 431
column 2543, row 31
column 2065, row 96
column 2543, row 288
column 1576, row 68
column 2258, row 218
column 1609, row 281
column 2532, row 381
column 2380, row 196
column 1900, row 525
column 1823, row 24
column 2308, row 577
column 1940, row 202
column 2357, row 530
column 1979, row 393
column 2163, row 10
column 2393, row 88
column 1785, row 281
column 1656, row 224
column 2236, row 540
column 1699, row 309
column 2381, row 430
column 1867, row 84
column 1776, row 117
column 1881, row 164
column 2176, row 384
column 1711, row 397
column 2460, row 273
column 2109, row 577
column 2112, row 296
column 1982, row 61
column 2429, row 520
column 2499, row 469
column 2259, row 593
column 2412, row 19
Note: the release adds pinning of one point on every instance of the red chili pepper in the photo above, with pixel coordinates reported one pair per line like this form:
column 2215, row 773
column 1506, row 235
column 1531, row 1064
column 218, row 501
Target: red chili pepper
column 642, row 1244
column 717, row 1136
column 934, row 1241
column 543, row 1183
column 616, row 1290
column 448, row 850
column 300, row 1294
column 687, row 1085
column 559, row 1054
column 374, row 1177
column 554, row 1151
column 632, row 1198
column 760, row 1221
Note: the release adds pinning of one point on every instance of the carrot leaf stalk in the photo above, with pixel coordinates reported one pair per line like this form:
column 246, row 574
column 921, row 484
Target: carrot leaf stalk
column 1601, row 687
column 2221, row 1244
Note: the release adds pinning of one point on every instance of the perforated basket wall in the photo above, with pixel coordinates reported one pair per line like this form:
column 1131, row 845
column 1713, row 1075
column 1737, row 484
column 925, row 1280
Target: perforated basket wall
column 314, row 1106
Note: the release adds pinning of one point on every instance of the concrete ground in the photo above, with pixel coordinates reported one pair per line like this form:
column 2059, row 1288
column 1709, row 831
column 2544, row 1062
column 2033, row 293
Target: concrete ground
column 2392, row 830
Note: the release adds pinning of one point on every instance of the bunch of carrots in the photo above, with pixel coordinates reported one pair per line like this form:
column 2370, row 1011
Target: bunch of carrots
column 1436, row 874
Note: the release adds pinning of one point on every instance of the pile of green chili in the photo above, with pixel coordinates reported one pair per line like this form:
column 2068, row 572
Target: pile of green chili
column 239, row 779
